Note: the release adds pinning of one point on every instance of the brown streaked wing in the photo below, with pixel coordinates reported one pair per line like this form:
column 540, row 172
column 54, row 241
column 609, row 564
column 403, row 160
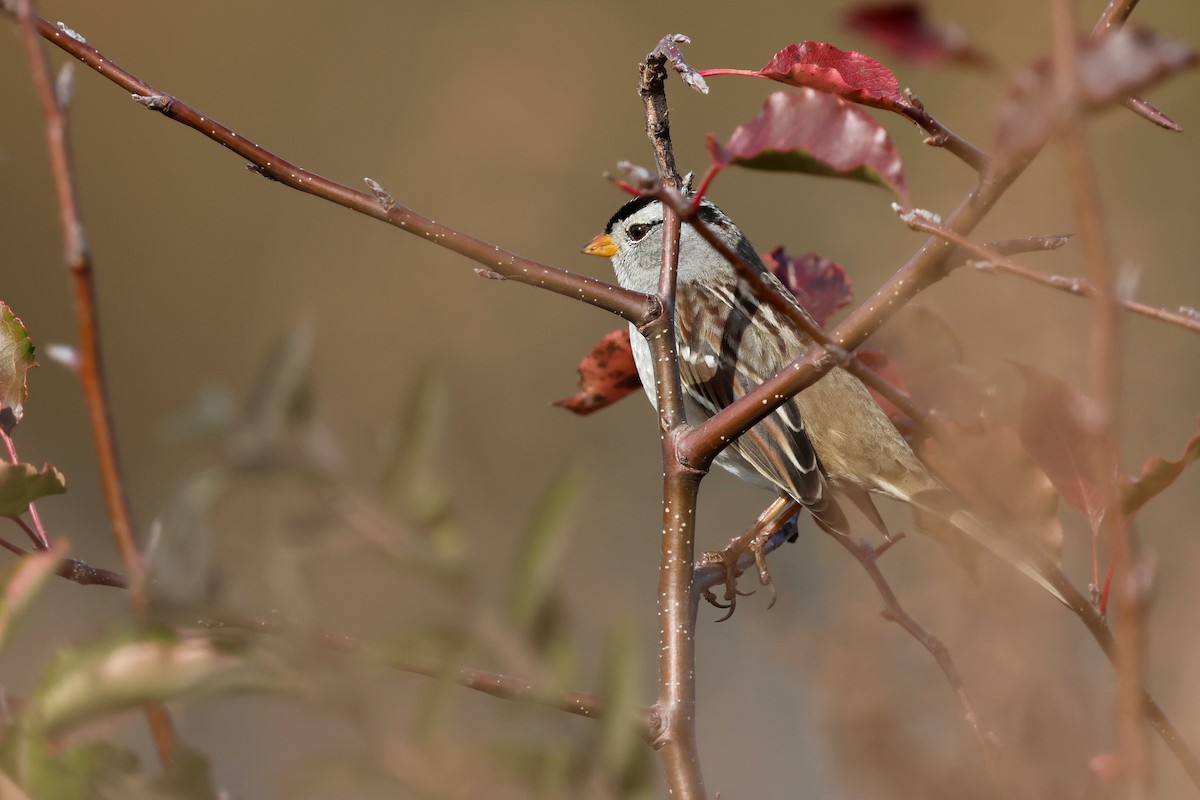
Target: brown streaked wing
column 714, row 376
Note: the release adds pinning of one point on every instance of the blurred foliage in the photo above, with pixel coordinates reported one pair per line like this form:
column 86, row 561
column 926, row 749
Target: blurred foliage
column 303, row 517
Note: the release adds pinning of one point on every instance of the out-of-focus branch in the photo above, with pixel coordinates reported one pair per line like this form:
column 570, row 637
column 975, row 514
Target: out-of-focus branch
column 496, row 262
column 995, row 261
column 493, row 683
column 73, row 569
column 91, row 371
column 1103, row 414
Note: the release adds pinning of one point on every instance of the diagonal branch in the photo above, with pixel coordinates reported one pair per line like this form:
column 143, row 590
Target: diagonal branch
column 492, row 683
column 633, row 306
column 995, row 261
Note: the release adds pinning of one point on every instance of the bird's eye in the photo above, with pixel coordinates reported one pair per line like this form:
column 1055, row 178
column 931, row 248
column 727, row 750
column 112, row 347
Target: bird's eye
column 637, row 231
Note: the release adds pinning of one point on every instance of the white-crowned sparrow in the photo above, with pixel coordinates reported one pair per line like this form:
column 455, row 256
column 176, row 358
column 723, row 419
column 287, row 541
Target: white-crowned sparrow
column 832, row 440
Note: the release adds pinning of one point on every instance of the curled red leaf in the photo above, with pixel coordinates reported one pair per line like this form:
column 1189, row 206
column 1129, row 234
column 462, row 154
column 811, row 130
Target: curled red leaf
column 816, row 133
column 1157, row 474
column 820, row 284
column 905, row 30
column 606, row 374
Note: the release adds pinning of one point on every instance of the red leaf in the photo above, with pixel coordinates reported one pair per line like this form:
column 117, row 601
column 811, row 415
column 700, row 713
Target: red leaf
column 904, row 29
column 817, row 133
column 821, row 285
column 1157, row 474
column 1055, row 435
column 1111, row 69
column 845, row 73
column 606, row 374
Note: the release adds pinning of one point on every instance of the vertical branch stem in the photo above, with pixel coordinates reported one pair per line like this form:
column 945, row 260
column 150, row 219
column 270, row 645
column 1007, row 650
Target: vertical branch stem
column 1103, row 413
column 91, row 372
column 675, row 733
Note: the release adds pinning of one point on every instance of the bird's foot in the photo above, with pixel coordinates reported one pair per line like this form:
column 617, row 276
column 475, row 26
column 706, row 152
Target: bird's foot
column 728, row 560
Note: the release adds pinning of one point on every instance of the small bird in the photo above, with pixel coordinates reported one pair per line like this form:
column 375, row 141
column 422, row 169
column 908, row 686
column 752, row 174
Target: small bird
column 829, row 442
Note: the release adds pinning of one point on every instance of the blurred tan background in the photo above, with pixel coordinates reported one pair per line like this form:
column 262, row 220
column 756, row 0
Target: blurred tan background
column 499, row 119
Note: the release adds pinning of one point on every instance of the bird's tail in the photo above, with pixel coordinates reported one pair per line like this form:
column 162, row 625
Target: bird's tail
column 1020, row 551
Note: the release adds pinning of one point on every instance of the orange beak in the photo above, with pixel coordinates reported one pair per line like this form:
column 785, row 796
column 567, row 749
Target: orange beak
column 602, row 245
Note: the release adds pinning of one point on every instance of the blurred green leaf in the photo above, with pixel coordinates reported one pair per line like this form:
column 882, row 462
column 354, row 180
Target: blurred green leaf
column 541, row 551
column 617, row 736
column 104, row 771
column 16, row 357
column 129, row 668
column 21, row 484
column 79, row 771
column 410, row 481
column 23, row 581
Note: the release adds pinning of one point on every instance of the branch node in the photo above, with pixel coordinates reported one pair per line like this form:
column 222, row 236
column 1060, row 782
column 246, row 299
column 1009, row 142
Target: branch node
column 668, row 48
column 62, row 26
column 491, row 275
column 382, row 196
column 154, row 102
column 262, row 171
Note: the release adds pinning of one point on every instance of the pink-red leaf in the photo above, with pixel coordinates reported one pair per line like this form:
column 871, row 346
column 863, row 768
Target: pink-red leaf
column 606, row 374
column 1054, row 433
column 816, row 133
column 1110, row 69
column 1157, row 474
column 820, row 284
column 845, row 73
column 905, row 30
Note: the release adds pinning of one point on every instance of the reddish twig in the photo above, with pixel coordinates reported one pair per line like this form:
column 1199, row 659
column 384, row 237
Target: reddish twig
column 993, row 260
column 91, row 372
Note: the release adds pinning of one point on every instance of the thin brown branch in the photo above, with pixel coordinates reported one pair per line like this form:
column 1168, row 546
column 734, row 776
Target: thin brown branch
column 91, row 373
column 675, row 736
column 72, row 569
column 994, row 260
column 652, row 75
column 1113, row 16
column 868, row 558
column 492, row 683
column 941, row 136
column 783, row 509
column 632, row 306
